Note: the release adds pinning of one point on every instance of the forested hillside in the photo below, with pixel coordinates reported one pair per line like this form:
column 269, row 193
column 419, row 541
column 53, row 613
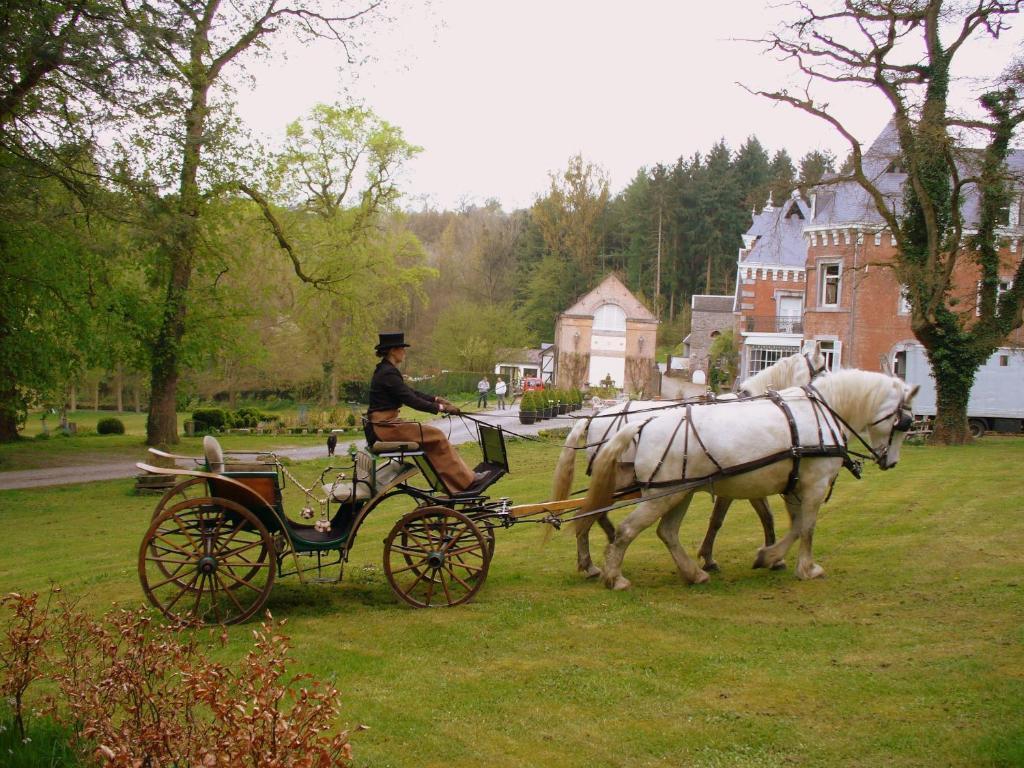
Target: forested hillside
column 153, row 253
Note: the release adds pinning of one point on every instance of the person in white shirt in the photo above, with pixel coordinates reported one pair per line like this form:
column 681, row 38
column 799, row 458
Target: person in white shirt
column 483, row 387
column 500, row 390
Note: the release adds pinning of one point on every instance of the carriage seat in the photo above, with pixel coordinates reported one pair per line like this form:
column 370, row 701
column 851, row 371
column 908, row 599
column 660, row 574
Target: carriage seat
column 368, row 478
column 384, row 447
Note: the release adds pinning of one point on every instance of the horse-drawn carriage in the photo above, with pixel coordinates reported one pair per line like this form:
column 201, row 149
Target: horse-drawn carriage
column 220, row 537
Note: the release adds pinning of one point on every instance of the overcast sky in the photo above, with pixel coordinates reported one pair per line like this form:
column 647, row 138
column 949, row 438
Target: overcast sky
column 500, row 94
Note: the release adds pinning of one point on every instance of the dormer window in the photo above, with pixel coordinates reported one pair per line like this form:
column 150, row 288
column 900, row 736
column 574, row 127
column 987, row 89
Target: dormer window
column 896, row 166
column 794, row 210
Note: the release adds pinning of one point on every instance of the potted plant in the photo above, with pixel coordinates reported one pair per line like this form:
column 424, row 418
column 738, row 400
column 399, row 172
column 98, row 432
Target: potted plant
column 528, row 408
column 559, row 395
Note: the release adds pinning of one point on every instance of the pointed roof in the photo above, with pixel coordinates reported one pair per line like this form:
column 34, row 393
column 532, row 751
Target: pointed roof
column 843, row 202
column 777, row 234
column 611, row 291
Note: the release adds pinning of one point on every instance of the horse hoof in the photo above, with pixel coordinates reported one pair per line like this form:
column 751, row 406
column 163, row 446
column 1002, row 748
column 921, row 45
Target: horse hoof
column 760, row 561
column 592, row 572
column 711, row 567
column 779, row 566
column 618, row 583
column 700, row 578
column 814, row 572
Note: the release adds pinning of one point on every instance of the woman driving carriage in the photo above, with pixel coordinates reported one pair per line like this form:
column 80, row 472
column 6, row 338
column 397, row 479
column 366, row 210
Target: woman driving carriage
column 389, row 392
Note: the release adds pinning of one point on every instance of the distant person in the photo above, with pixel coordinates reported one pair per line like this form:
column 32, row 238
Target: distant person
column 500, row 390
column 332, row 443
column 482, row 387
column 389, row 392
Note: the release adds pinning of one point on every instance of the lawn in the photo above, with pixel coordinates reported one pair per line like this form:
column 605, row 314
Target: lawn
column 909, row 653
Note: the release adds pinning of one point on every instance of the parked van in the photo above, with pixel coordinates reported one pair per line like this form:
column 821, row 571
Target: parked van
column 996, row 403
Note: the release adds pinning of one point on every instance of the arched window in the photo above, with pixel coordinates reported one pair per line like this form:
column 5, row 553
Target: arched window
column 609, row 317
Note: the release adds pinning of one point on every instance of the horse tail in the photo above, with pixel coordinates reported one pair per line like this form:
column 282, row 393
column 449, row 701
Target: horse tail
column 602, row 475
column 565, row 469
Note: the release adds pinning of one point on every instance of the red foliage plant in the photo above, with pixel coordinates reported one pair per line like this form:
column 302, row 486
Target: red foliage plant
column 143, row 694
column 22, row 650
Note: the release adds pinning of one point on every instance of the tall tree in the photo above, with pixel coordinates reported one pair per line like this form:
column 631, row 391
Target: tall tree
column 814, row 166
column 783, row 175
column 908, row 52
column 188, row 47
column 570, row 219
column 753, row 172
column 338, row 172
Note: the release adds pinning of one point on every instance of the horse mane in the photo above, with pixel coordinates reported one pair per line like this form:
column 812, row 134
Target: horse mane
column 853, row 393
column 777, row 376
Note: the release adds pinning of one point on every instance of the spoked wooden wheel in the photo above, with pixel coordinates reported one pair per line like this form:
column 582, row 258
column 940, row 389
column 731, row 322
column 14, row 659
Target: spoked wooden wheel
column 435, row 556
column 209, row 560
column 192, row 488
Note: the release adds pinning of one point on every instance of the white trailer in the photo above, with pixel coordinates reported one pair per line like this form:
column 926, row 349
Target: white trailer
column 996, row 403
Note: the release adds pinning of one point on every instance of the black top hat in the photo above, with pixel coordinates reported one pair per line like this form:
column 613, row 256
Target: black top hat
column 390, row 341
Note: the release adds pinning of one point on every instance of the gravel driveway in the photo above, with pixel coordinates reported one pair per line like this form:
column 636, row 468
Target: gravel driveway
column 458, row 430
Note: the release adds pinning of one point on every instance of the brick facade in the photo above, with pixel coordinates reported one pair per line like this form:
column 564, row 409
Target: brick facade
column 833, row 257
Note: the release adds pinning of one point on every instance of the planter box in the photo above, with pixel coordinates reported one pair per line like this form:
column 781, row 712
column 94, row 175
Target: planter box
column 527, row 417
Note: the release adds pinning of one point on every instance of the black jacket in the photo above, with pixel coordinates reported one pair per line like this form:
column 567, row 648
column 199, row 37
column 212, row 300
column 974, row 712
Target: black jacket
column 388, row 392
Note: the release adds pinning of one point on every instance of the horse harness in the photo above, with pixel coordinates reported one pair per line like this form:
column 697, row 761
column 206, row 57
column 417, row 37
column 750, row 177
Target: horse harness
column 619, row 420
column 831, row 443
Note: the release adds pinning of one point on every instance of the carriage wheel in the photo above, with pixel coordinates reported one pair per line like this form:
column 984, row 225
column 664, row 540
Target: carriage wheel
column 193, row 488
column 208, row 560
column 435, row 556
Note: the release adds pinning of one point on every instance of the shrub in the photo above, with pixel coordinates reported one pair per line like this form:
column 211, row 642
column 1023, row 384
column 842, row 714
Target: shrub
column 138, row 693
column 246, row 417
column 351, row 420
column 210, row 418
column 110, row 426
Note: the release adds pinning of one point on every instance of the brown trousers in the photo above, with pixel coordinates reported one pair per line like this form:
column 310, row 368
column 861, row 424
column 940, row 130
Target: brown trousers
column 446, row 460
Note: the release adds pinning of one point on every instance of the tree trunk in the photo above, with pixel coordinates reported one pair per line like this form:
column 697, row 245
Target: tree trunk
column 119, row 387
column 96, row 395
column 951, row 392
column 8, row 415
column 162, row 423
column 136, row 393
column 73, row 397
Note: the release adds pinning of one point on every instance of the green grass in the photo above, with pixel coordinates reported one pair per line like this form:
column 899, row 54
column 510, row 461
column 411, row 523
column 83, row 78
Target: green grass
column 46, row 744
column 910, row 652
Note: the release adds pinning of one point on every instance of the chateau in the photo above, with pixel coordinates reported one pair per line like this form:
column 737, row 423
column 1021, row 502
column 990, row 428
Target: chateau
column 821, row 269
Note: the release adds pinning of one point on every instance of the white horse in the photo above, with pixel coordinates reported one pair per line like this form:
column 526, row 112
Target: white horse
column 794, row 444
column 599, row 428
